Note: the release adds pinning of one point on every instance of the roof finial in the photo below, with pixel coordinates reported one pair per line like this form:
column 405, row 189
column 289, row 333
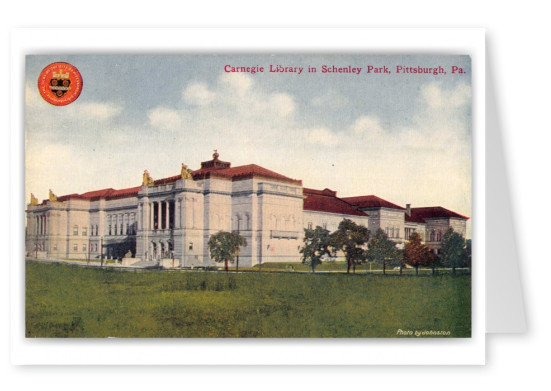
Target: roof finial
column 52, row 196
column 215, row 154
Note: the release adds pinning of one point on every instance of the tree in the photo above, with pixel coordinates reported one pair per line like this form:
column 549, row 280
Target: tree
column 381, row 249
column 435, row 261
column 416, row 253
column 316, row 246
column 225, row 246
column 350, row 238
column 453, row 250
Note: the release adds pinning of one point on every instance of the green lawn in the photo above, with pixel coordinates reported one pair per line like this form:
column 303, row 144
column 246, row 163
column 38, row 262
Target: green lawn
column 73, row 301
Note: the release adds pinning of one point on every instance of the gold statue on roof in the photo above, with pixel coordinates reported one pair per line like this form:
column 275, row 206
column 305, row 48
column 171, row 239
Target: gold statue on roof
column 52, row 196
column 147, row 180
column 34, row 200
column 186, row 172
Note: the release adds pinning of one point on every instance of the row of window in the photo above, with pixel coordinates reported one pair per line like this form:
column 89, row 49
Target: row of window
column 115, row 229
column 395, row 232
column 120, row 229
column 94, row 231
column 93, row 247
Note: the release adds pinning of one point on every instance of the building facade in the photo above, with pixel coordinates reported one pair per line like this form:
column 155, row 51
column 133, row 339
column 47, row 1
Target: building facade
column 170, row 220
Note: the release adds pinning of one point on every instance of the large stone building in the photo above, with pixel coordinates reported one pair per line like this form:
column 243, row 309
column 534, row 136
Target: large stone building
column 170, row 220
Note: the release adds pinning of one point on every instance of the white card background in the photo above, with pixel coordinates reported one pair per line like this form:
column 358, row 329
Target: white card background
column 250, row 352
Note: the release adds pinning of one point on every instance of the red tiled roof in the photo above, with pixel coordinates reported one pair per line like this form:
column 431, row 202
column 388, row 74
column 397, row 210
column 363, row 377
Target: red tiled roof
column 108, row 194
column 414, row 219
column 65, row 198
column 98, row 193
column 165, row 181
column 371, row 201
column 124, row 193
column 243, row 172
column 434, row 212
column 327, row 201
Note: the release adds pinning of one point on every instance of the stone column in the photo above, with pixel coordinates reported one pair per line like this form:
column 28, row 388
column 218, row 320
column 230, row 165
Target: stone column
column 177, row 205
column 159, row 215
column 167, row 217
column 151, row 208
column 140, row 216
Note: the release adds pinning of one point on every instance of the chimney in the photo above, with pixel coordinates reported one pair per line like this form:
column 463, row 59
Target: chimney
column 408, row 209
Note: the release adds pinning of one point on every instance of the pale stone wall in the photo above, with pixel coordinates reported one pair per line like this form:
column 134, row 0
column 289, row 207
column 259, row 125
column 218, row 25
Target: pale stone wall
column 435, row 230
column 330, row 221
column 459, row 226
column 415, row 227
column 392, row 221
column 280, row 232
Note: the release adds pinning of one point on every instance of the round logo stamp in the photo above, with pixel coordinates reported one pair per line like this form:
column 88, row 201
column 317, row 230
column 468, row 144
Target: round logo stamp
column 60, row 83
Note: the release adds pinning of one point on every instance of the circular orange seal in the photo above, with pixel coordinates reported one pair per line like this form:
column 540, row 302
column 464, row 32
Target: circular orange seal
column 60, row 83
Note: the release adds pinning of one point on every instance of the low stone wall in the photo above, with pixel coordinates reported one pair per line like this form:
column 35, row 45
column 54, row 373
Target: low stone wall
column 130, row 261
column 169, row 263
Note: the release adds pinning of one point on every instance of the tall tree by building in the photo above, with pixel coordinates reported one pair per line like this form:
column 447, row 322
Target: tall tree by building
column 382, row 249
column 350, row 238
column 416, row 253
column 225, row 246
column 316, row 246
column 453, row 251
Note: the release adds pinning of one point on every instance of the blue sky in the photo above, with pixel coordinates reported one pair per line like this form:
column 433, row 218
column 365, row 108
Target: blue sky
column 403, row 137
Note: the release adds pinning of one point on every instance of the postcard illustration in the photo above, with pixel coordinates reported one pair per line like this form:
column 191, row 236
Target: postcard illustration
column 250, row 195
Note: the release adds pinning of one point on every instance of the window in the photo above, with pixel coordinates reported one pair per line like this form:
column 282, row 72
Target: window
column 324, row 225
column 55, row 247
column 75, row 230
column 115, row 230
column 128, row 229
column 75, row 247
column 109, row 229
column 84, row 231
column 96, row 230
column 121, row 229
column 309, row 225
column 83, row 248
column 191, row 245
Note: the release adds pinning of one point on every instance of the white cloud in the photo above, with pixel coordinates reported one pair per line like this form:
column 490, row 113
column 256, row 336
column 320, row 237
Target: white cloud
column 322, row 136
column 166, row 119
column 282, row 104
column 94, row 111
column 330, row 100
column 198, row 94
column 436, row 97
column 233, row 105
column 239, row 83
column 368, row 125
